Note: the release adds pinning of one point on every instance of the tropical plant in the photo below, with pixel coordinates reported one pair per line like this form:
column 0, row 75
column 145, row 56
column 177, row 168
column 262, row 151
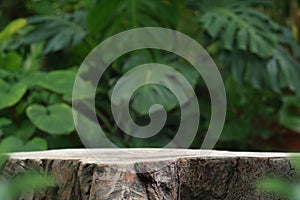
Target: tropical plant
column 258, row 58
column 25, row 91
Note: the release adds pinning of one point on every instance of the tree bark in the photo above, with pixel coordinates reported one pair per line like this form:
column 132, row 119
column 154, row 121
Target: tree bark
column 151, row 174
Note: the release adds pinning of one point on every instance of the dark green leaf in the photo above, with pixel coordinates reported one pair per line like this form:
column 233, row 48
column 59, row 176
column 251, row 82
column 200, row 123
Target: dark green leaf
column 242, row 39
column 54, row 119
column 229, row 35
column 239, row 25
column 11, row 93
column 273, row 69
column 289, row 70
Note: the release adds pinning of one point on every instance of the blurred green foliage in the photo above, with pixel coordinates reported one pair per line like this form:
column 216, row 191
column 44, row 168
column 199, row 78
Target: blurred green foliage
column 42, row 43
column 284, row 188
column 29, row 181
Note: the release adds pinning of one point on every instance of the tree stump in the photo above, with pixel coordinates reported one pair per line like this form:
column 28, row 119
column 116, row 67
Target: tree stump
column 150, row 173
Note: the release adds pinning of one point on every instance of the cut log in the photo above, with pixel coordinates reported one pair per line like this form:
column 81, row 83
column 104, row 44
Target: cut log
column 83, row 174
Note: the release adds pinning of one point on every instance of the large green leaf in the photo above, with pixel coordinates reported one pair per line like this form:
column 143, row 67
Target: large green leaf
column 147, row 96
column 287, row 38
column 60, row 81
column 112, row 16
column 289, row 70
column 150, row 94
column 36, row 144
column 251, row 43
column 245, row 67
column 12, row 144
column 11, row 93
column 144, row 57
column 279, row 72
column 239, row 26
column 53, row 119
column 58, row 31
column 283, row 71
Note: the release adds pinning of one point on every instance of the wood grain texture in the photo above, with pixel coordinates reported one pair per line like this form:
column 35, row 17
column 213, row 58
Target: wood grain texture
column 138, row 174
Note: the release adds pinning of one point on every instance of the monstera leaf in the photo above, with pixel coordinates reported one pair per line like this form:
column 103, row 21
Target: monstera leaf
column 245, row 67
column 279, row 72
column 239, row 26
column 11, row 93
column 284, row 71
column 130, row 14
column 53, row 119
column 58, row 31
column 250, row 44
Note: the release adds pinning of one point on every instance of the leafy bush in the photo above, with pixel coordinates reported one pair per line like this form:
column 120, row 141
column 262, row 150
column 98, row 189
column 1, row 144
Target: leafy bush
column 26, row 93
column 258, row 58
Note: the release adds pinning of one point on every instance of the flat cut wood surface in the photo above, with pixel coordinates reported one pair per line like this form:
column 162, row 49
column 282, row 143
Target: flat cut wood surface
column 85, row 174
